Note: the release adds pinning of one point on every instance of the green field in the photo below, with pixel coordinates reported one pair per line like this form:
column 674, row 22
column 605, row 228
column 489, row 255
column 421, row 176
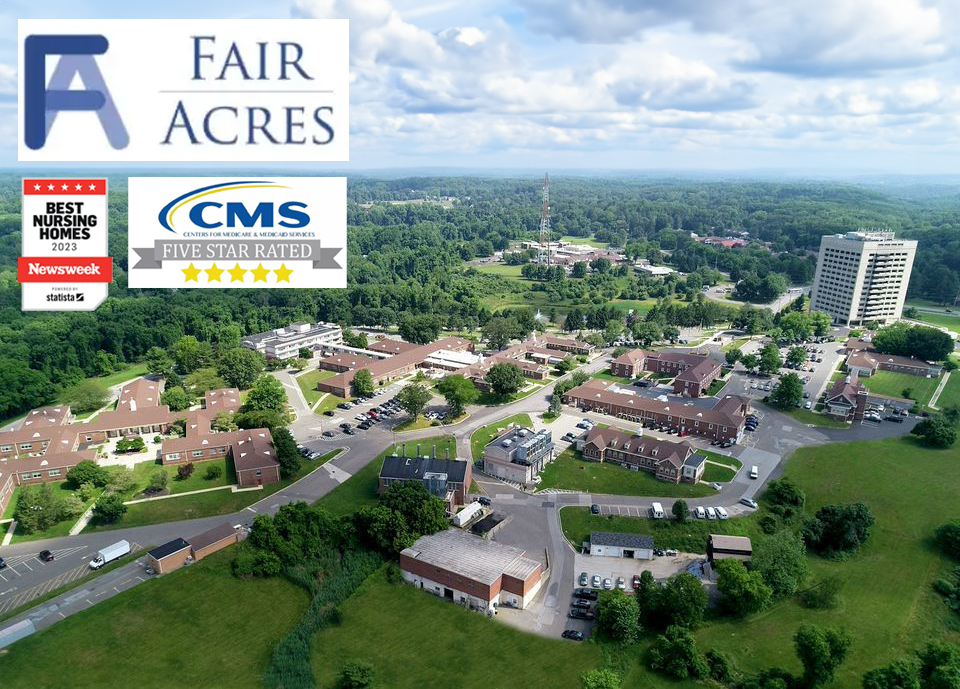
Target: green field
column 198, row 505
column 715, row 387
column 584, row 240
column 483, row 435
column 197, row 480
column 308, row 384
column 887, row 602
column 500, row 269
column 806, row 416
column 951, row 391
column 379, row 620
column 571, row 472
column 60, row 488
column 361, row 489
column 944, row 320
column 153, row 635
column 894, row 383
column 413, row 424
column 606, row 375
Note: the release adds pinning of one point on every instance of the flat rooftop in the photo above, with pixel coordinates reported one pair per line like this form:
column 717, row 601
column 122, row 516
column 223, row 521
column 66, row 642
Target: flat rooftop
column 470, row 556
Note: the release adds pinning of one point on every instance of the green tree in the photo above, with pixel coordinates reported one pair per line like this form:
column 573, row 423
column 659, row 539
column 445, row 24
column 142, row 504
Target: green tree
column 362, row 382
column 936, row 431
column 109, row 508
column 86, row 396
column 784, row 491
column 612, row 330
column 353, row 339
column 599, row 678
column 223, row 422
column 158, row 361
column 357, row 674
column 458, row 391
column 839, row 528
column 87, row 471
column 240, row 366
column 422, row 512
column 682, row 601
column 948, row 539
column 796, row 355
column 618, row 615
column 675, row 653
column 821, row 651
column 646, row 332
column 200, row 381
column 120, row 479
column 782, row 562
column 38, row 508
column 750, row 361
column 504, row 378
column 733, row 356
column 177, row 399
column 744, row 591
column 298, row 364
column 385, row 529
column 305, row 353
column 900, row 674
column 789, row 393
column 287, row 454
column 266, row 394
column 259, row 418
column 185, row 471
column 499, row 330
column 413, row 399
column 680, row 510
column 190, row 354
column 820, row 322
column 159, row 480
column 770, row 361
column 420, row 328
column 214, row 471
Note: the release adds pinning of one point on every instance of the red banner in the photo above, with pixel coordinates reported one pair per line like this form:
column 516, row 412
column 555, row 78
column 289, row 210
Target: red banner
column 82, row 187
column 65, row 270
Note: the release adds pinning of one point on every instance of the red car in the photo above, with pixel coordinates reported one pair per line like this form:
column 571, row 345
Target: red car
column 636, row 581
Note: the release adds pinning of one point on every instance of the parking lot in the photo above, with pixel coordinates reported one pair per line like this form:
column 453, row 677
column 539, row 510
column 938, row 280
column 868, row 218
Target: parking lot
column 613, row 568
column 72, row 561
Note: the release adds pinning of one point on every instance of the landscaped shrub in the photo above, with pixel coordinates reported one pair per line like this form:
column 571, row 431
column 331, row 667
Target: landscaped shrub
column 158, row 481
column 824, row 594
column 185, row 471
column 214, row 471
column 357, row 674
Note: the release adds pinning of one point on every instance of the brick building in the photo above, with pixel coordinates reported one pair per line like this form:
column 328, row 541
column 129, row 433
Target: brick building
column 667, row 460
column 518, row 454
column 693, row 372
column 478, row 573
column 448, row 479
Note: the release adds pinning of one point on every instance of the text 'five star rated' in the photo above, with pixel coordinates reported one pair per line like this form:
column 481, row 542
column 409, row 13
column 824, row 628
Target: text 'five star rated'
column 237, row 273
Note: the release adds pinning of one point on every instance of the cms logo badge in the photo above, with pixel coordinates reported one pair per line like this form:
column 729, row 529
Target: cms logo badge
column 213, row 214
column 44, row 100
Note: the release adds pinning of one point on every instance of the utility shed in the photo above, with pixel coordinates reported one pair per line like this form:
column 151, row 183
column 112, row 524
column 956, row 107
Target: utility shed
column 169, row 556
column 615, row 544
column 720, row 546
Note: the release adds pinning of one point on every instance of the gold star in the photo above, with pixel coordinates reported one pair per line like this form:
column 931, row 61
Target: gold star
column 260, row 273
column 237, row 273
column 191, row 273
column 213, row 273
column 283, row 273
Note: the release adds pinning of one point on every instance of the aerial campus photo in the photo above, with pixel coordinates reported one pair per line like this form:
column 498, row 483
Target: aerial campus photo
column 644, row 373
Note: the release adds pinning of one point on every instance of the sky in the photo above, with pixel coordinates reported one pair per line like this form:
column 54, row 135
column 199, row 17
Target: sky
column 819, row 86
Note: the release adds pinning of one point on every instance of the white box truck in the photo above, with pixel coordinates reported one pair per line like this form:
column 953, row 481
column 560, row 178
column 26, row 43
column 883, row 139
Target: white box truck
column 657, row 511
column 110, row 553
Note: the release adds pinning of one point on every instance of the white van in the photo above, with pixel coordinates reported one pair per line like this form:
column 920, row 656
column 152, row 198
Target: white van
column 711, row 513
column 657, row 511
column 722, row 513
column 754, row 472
column 700, row 513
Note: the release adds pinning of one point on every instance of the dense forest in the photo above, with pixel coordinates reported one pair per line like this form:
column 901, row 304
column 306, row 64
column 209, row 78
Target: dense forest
column 407, row 258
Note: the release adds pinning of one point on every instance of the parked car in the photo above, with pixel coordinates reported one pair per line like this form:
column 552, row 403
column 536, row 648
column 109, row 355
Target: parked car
column 636, row 581
column 3, row 564
column 328, row 434
column 670, row 552
column 363, row 426
column 581, row 604
column 344, row 405
column 895, row 418
column 572, row 634
column 749, row 503
column 595, row 581
column 722, row 513
column 577, row 614
column 607, row 583
column 584, row 579
column 711, row 513
column 348, row 431
column 46, row 556
column 594, row 508
column 483, row 500
column 329, row 412
column 699, row 512
column 586, row 593
column 806, row 405
column 621, row 584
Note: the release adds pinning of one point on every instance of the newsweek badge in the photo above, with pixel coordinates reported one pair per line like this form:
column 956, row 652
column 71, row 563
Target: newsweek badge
column 64, row 264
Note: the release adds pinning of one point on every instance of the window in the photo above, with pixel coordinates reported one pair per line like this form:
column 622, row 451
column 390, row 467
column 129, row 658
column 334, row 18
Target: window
column 36, row 474
column 54, row 472
column 26, row 446
column 6, row 448
column 173, row 455
column 259, row 472
column 197, row 453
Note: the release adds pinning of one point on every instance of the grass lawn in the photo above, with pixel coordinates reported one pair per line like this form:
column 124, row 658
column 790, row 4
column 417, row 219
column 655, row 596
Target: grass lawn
column 735, row 344
column 894, row 383
column 640, row 307
column 489, row 399
column 717, row 474
column 500, row 269
column 806, row 416
column 361, row 488
column 413, row 424
column 483, row 435
column 330, row 402
column 570, row 472
column 716, row 386
column 377, row 623
column 128, row 373
column 951, row 391
column 308, row 384
column 944, row 320
column 197, row 481
column 323, row 459
column 606, row 375
column 109, row 644
column 196, row 506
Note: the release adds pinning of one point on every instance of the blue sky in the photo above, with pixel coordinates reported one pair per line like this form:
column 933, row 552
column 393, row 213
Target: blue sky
column 808, row 85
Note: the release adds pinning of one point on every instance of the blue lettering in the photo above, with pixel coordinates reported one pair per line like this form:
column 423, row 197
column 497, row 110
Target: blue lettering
column 287, row 210
column 196, row 215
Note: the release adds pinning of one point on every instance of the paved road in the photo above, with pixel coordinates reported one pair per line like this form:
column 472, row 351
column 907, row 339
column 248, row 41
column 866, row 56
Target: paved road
column 534, row 515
